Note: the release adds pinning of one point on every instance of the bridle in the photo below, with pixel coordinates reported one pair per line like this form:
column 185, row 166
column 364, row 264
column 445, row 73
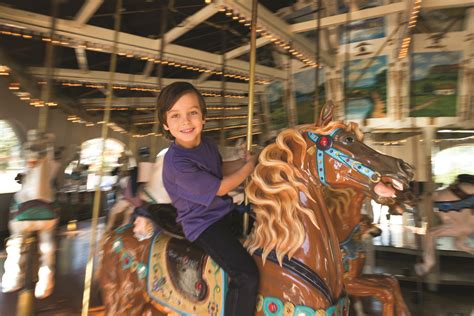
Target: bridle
column 325, row 146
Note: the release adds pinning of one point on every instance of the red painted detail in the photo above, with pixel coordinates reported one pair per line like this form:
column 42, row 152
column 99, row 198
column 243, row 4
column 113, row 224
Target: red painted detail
column 324, row 141
column 344, row 311
column 127, row 260
column 272, row 307
column 198, row 286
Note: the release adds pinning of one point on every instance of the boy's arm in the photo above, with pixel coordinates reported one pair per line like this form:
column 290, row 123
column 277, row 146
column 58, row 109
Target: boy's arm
column 241, row 171
column 233, row 180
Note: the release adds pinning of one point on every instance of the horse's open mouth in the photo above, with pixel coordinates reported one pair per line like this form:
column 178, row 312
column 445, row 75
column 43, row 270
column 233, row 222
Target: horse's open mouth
column 386, row 187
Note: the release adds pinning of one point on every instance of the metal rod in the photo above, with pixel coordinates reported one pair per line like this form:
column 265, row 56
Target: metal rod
column 95, row 210
column 318, row 56
column 159, row 76
column 49, row 64
column 222, row 135
column 253, row 58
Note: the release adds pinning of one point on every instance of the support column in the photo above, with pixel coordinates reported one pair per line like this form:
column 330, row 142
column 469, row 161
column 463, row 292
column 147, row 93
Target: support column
column 466, row 78
column 290, row 103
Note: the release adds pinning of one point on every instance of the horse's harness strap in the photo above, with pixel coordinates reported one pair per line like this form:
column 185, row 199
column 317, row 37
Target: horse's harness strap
column 446, row 206
column 302, row 271
column 458, row 191
column 324, row 145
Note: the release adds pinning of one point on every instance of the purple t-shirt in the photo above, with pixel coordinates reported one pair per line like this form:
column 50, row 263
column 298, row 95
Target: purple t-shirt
column 192, row 178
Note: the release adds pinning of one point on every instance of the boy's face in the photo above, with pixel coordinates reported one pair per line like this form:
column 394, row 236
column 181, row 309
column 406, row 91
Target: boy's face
column 185, row 122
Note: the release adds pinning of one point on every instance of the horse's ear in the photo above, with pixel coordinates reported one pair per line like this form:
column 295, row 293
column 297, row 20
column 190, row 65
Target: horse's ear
column 326, row 115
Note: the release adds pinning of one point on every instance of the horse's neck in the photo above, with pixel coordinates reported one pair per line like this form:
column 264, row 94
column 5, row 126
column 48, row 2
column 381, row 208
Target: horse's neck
column 345, row 209
column 320, row 250
column 37, row 182
column 447, row 195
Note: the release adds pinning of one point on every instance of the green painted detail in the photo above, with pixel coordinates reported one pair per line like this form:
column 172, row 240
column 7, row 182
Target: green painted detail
column 304, row 311
column 36, row 214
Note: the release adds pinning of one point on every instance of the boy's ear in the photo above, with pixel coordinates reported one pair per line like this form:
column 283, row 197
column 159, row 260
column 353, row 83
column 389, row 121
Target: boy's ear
column 166, row 127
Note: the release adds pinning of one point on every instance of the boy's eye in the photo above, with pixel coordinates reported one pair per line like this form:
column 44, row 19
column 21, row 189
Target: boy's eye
column 194, row 112
column 174, row 116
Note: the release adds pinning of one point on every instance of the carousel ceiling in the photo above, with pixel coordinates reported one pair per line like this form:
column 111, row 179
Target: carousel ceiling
column 205, row 42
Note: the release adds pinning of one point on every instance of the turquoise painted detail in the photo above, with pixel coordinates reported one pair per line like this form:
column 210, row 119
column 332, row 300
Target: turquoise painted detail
column 304, row 311
column 269, row 300
column 331, row 311
column 121, row 229
column 36, row 214
column 142, row 271
column 127, row 260
column 117, row 246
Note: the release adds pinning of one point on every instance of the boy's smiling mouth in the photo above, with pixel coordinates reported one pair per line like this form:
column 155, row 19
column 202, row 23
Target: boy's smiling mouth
column 187, row 130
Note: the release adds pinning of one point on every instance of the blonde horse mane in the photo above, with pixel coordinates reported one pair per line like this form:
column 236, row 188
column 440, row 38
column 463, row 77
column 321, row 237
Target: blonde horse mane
column 275, row 190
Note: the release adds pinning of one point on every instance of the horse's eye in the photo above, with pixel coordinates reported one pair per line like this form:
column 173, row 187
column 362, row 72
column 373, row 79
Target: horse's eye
column 349, row 140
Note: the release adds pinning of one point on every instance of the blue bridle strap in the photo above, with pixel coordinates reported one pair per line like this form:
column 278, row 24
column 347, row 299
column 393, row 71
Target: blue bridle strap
column 328, row 149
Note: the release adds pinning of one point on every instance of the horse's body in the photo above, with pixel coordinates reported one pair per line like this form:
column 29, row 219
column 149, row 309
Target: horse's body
column 293, row 240
column 31, row 212
column 455, row 205
column 345, row 207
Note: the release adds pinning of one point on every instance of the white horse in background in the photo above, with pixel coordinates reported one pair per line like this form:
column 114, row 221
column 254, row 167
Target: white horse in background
column 455, row 207
column 31, row 211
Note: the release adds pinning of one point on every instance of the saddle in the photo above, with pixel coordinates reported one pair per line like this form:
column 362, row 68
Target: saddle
column 164, row 216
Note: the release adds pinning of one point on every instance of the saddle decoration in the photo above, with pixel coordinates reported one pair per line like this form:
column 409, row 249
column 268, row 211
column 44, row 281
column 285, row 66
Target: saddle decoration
column 324, row 145
column 175, row 292
column 351, row 247
column 127, row 260
column 272, row 306
column 446, row 206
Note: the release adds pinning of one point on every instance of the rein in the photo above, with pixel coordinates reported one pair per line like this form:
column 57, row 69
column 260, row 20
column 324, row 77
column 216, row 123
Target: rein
column 302, row 271
column 324, row 145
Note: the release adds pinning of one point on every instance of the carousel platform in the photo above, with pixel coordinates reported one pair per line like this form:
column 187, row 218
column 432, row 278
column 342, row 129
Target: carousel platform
column 450, row 299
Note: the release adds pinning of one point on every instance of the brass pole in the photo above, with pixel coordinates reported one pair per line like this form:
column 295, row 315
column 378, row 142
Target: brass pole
column 159, row 75
column 222, row 140
column 25, row 304
column 253, row 58
column 95, row 210
column 49, row 60
column 318, row 60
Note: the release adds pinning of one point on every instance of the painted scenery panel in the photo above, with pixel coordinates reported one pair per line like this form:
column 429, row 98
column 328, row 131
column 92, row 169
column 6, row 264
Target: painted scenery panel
column 434, row 81
column 279, row 117
column 366, row 88
column 304, row 87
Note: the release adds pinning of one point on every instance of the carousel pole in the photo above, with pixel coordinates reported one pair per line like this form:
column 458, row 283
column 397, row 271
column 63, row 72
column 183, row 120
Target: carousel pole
column 253, row 58
column 318, row 49
column 95, row 210
column 25, row 303
column 159, row 77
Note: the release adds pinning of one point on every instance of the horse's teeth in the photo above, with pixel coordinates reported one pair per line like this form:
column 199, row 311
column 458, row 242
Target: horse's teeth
column 397, row 184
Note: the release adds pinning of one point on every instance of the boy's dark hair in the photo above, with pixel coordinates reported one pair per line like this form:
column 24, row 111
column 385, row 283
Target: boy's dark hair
column 168, row 97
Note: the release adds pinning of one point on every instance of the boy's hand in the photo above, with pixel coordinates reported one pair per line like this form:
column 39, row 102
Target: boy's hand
column 251, row 157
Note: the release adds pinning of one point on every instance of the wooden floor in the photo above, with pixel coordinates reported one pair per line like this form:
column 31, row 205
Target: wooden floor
column 449, row 299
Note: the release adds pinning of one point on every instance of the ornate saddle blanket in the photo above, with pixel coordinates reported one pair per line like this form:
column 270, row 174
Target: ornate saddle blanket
column 183, row 278
column 465, row 200
column 34, row 210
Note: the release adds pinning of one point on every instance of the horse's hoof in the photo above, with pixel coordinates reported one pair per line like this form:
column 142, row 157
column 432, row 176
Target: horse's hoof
column 420, row 269
column 11, row 288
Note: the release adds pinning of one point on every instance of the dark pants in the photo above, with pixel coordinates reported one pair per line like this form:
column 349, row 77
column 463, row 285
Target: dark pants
column 225, row 249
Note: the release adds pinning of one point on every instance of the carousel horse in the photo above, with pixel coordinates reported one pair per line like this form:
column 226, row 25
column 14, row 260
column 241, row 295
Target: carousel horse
column 351, row 226
column 126, row 197
column 293, row 240
column 455, row 205
column 31, row 211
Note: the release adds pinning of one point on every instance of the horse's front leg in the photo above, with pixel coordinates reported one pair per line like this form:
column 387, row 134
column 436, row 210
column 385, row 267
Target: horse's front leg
column 392, row 282
column 363, row 286
column 461, row 242
column 429, row 247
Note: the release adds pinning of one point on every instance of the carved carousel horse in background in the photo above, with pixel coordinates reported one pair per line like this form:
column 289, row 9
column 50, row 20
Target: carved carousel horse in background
column 345, row 208
column 125, row 197
column 455, row 205
column 32, row 211
column 293, row 240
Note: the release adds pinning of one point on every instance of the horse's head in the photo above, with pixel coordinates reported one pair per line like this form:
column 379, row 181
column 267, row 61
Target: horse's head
column 37, row 146
column 337, row 157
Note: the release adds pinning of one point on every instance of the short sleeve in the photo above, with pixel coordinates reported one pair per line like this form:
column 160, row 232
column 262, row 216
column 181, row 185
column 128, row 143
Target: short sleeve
column 195, row 184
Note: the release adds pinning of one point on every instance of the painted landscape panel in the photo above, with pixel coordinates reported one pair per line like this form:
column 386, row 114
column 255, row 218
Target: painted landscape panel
column 434, row 84
column 366, row 88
